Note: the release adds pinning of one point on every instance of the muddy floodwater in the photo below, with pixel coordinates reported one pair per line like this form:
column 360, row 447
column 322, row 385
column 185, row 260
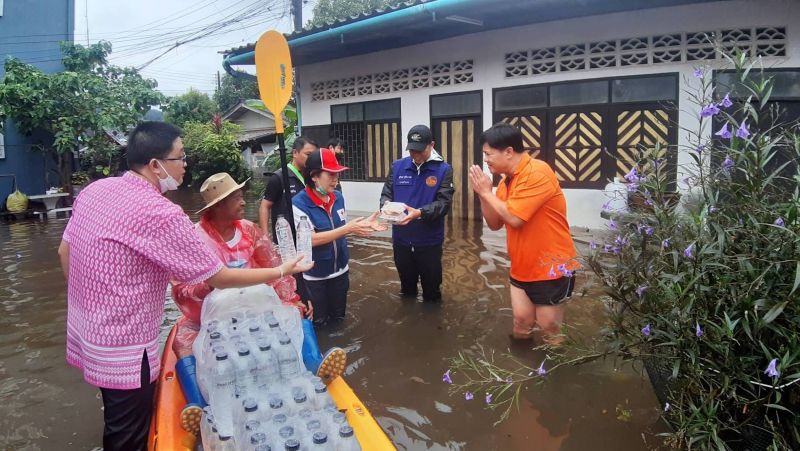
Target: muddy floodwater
column 398, row 350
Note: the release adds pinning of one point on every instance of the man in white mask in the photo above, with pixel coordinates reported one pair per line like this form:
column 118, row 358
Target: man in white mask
column 124, row 242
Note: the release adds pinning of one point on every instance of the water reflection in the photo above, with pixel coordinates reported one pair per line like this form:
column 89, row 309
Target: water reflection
column 398, row 350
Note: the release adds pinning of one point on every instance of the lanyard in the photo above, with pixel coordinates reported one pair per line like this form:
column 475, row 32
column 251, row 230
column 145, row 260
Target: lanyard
column 296, row 173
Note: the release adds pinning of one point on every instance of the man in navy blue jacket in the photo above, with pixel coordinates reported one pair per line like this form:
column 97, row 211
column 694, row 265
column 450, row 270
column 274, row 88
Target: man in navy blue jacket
column 424, row 182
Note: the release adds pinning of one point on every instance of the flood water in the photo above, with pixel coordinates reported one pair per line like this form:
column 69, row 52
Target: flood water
column 398, row 350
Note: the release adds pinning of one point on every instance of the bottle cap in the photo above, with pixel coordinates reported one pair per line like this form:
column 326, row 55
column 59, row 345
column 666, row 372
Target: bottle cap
column 275, row 403
column 215, row 335
column 279, row 418
column 320, row 438
column 339, row 418
column 222, row 355
column 263, row 447
column 258, row 438
column 314, row 425
column 252, row 425
column 346, row 431
column 286, row 431
column 250, row 405
column 263, row 344
column 284, row 338
column 242, row 349
column 292, row 444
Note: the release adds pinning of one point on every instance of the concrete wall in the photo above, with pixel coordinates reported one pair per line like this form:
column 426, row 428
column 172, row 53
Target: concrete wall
column 487, row 50
column 31, row 30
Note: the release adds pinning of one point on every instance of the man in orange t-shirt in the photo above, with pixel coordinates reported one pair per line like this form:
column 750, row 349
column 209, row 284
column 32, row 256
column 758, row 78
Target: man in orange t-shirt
column 531, row 205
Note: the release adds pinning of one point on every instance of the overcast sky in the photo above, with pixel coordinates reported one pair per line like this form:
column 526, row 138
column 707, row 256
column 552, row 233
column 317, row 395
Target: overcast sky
column 141, row 30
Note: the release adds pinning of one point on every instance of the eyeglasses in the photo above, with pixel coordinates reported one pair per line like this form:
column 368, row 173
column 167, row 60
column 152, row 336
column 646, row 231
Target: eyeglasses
column 180, row 158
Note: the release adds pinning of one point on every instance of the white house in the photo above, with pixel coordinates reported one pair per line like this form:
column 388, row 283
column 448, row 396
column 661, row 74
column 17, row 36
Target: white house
column 587, row 81
column 258, row 130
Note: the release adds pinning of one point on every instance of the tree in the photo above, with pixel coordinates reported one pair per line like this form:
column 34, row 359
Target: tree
column 193, row 106
column 78, row 105
column 234, row 90
column 213, row 147
column 329, row 11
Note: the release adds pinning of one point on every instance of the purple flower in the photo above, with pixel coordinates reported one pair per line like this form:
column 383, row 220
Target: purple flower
column 446, row 377
column 640, row 291
column 709, row 110
column 648, row 202
column 724, row 132
column 607, row 247
column 698, row 330
column 562, row 268
column 700, row 148
column 509, row 380
column 779, row 222
column 689, row 251
column 541, row 371
column 712, row 209
column 468, row 396
column 612, row 225
column 488, row 398
column 772, row 370
column 726, row 102
column 607, row 206
column 646, row 330
column 665, row 243
column 728, row 163
column 633, row 187
column 742, row 131
column 632, row 176
column 551, row 273
column 648, row 231
column 698, row 73
column 592, row 245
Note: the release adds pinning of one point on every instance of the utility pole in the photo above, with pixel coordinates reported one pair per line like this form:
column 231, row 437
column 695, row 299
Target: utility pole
column 219, row 82
column 297, row 13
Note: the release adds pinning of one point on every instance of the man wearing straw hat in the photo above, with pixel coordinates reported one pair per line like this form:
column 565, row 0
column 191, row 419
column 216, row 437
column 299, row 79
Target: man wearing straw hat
column 124, row 242
column 238, row 243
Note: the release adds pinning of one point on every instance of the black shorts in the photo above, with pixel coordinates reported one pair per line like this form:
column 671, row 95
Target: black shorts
column 547, row 292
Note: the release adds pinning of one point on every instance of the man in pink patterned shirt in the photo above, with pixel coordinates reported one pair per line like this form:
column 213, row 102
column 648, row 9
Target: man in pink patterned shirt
column 124, row 242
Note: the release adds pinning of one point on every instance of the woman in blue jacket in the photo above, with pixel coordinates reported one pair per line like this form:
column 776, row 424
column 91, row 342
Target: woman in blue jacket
column 329, row 280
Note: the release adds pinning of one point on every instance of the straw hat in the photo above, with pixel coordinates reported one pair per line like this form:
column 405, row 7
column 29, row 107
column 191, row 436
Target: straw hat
column 218, row 187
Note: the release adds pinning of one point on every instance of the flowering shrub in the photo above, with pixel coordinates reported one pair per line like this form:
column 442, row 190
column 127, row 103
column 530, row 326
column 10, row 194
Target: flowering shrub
column 706, row 292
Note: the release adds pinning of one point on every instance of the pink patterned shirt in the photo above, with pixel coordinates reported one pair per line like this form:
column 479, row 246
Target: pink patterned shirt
column 125, row 242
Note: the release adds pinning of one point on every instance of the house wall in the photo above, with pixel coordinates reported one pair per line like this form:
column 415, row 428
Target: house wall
column 487, row 50
column 31, row 30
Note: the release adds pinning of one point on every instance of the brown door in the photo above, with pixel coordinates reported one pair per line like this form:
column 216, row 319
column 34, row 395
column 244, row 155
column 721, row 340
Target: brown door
column 457, row 141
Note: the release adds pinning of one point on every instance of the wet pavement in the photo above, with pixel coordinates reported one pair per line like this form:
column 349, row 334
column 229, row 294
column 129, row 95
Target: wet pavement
column 398, row 350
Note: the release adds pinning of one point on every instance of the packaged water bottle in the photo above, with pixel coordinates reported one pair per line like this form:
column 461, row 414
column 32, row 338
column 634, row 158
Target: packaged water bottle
column 299, row 400
column 289, row 432
column 283, row 231
column 347, row 441
column 304, row 232
column 222, row 395
column 276, row 408
column 321, row 395
column 245, row 368
column 207, row 436
column 267, row 371
column 287, row 358
column 249, row 417
column 292, row 444
column 319, row 442
column 226, row 443
column 258, row 438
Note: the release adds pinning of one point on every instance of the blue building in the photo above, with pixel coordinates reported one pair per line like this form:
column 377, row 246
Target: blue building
column 31, row 32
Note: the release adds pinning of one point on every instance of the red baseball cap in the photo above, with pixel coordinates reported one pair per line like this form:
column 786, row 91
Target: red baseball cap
column 324, row 159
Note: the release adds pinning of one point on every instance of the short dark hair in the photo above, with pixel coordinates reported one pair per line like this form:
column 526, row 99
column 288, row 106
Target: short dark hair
column 308, row 176
column 301, row 142
column 502, row 135
column 150, row 139
column 333, row 142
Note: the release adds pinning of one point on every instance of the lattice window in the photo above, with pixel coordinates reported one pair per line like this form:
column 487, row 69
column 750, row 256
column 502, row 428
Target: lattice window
column 639, row 130
column 531, row 128
column 659, row 49
column 355, row 157
column 440, row 74
column 578, row 148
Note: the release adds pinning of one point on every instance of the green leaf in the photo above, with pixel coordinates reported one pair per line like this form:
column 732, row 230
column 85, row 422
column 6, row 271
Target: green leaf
column 796, row 279
column 774, row 312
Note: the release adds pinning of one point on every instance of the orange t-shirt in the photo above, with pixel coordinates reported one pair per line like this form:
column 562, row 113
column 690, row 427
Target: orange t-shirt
column 543, row 242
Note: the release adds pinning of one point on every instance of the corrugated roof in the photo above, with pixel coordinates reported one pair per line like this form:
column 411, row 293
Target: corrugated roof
column 343, row 21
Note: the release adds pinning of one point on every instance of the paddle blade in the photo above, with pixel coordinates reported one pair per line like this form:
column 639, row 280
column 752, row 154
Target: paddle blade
column 274, row 73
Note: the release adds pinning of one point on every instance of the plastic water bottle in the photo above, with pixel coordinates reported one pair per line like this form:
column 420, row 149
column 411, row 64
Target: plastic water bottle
column 207, row 426
column 319, row 442
column 287, row 358
column 300, row 400
column 267, row 370
column 321, row 395
column 245, row 369
column 226, row 443
column 277, row 409
column 292, row 444
column 224, row 379
column 285, row 242
column 347, row 441
column 304, row 232
column 250, row 415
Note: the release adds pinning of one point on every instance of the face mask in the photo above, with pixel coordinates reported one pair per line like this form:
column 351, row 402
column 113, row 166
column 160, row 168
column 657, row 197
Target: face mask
column 168, row 183
column 321, row 190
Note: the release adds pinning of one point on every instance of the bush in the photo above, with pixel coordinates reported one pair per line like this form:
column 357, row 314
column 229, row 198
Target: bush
column 708, row 296
column 213, row 147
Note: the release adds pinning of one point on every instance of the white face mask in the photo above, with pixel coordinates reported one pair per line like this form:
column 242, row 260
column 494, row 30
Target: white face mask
column 168, row 183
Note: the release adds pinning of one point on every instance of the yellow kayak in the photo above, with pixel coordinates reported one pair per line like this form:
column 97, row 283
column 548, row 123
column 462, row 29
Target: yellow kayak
column 166, row 433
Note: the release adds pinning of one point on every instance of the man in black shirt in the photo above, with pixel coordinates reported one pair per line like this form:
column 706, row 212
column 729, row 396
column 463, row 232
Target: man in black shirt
column 273, row 203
